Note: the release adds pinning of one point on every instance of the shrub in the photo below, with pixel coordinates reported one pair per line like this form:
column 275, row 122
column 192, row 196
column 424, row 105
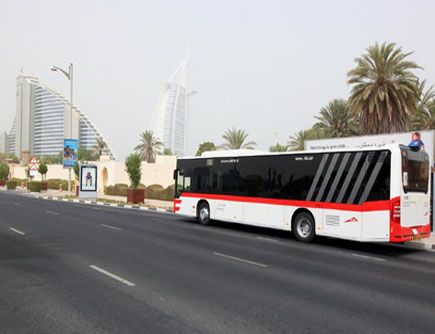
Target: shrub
column 56, row 183
column 11, row 184
column 156, row 191
column 43, row 169
column 35, row 186
column 20, row 182
column 4, row 171
column 134, row 169
column 156, row 187
column 119, row 189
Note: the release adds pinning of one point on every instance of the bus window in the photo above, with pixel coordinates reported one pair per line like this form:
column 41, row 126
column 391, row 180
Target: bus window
column 415, row 170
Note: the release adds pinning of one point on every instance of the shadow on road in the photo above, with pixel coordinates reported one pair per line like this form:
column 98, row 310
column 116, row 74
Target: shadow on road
column 369, row 248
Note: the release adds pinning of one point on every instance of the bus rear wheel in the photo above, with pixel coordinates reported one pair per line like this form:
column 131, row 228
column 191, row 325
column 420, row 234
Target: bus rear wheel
column 204, row 213
column 304, row 227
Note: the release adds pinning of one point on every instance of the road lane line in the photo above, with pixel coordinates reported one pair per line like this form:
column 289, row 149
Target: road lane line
column 96, row 208
column 241, row 260
column 18, row 204
column 105, row 272
column 52, row 212
column 16, row 231
column 368, row 257
column 112, row 227
column 267, row 239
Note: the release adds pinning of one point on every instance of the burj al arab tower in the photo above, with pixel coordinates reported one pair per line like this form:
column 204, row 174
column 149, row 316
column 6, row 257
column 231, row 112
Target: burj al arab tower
column 169, row 123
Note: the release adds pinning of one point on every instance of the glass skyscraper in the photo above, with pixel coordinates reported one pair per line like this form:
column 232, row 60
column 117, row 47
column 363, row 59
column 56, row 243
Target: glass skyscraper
column 39, row 125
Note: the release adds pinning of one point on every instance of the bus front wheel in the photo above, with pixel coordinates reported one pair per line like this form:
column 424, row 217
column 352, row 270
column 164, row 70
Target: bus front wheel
column 204, row 213
column 304, row 227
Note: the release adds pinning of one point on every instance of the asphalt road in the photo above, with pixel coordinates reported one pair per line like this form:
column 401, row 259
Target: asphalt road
column 72, row 268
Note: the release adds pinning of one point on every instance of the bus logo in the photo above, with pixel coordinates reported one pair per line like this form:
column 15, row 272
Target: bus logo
column 351, row 220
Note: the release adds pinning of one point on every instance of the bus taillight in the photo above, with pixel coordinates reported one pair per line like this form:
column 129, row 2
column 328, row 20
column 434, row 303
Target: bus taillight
column 395, row 210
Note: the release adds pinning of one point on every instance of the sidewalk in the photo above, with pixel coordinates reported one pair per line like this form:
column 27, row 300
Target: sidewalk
column 120, row 199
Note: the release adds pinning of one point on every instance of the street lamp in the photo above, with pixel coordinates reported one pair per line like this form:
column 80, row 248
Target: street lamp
column 69, row 75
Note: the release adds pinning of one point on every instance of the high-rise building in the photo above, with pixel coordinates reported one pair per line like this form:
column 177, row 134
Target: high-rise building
column 43, row 120
column 4, row 142
column 169, row 123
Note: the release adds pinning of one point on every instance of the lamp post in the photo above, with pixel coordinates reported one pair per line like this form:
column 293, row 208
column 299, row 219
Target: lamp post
column 69, row 75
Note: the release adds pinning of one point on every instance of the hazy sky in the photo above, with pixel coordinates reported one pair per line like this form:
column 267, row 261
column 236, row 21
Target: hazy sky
column 265, row 66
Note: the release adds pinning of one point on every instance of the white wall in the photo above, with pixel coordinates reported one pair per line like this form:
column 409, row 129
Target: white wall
column 113, row 172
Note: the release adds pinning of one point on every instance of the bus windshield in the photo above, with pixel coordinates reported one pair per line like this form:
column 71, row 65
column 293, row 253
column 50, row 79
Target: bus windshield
column 415, row 170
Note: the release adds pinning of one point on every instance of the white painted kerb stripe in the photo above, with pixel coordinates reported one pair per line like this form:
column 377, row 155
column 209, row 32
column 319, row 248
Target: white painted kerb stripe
column 241, row 260
column 119, row 279
column 17, row 231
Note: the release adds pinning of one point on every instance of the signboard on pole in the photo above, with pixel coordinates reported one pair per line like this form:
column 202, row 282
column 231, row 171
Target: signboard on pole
column 33, row 167
column 88, row 181
column 70, row 152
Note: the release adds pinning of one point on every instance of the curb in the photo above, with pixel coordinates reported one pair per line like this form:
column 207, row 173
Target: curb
column 115, row 205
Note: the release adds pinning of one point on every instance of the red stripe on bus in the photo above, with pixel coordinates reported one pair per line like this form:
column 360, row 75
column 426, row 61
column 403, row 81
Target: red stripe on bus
column 367, row 206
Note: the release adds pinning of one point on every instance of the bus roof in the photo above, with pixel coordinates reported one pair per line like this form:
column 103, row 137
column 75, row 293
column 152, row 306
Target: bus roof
column 252, row 153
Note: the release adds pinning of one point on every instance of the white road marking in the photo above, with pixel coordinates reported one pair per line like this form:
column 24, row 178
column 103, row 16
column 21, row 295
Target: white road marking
column 17, row 231
column 112, row 227
column 119, row 279
column 18, row 204
column 96, row 208
column 241, row 260
column 267, row 239
column 52, row 212
column 368, row 257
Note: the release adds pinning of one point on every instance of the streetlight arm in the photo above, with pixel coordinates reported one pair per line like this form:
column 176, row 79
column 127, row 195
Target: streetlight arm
column 55, row 69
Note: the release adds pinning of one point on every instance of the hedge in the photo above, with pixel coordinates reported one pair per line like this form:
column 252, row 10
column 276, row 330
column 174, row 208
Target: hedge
column 11, row 184
column 56, row 183
column 155, row 191
column 35, row 186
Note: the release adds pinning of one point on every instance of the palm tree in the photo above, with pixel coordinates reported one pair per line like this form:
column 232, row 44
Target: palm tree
column 278, row 148
column 149, row 146
column 424, row 119
column 385, row 92
column 100, row 146
column 336, row 120
column 235, row 140
column 204, row 147
column 167, row 151
column 297, row 141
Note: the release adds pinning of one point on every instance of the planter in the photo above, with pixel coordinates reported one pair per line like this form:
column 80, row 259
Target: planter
column 44, row 186
column 2, row 183
column 136, row 196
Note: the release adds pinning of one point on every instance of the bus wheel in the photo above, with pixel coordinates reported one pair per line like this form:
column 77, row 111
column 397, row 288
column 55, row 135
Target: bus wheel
column 304, row 227
column 204, row 213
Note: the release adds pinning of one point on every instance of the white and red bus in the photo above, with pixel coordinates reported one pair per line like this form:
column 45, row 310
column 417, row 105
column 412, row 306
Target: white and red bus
column 377, row 195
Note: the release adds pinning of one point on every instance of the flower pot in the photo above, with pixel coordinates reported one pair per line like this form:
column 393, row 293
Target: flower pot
column 135, row 196
column 44, row 186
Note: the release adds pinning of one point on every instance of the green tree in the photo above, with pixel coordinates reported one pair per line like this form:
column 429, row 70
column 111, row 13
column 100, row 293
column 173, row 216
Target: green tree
column 385, row 91
column 297, row 141
column 425, row 116
column 205, row 147
column 8, row 156
column 336, row 120
column 100, row 147
column 167, row 151
column 134, row 169
column 43, row 169
column 278, row 148
column 84, row 154
column 149, row 146
column 4, row 171
column 55, row 159
column 235, row 139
